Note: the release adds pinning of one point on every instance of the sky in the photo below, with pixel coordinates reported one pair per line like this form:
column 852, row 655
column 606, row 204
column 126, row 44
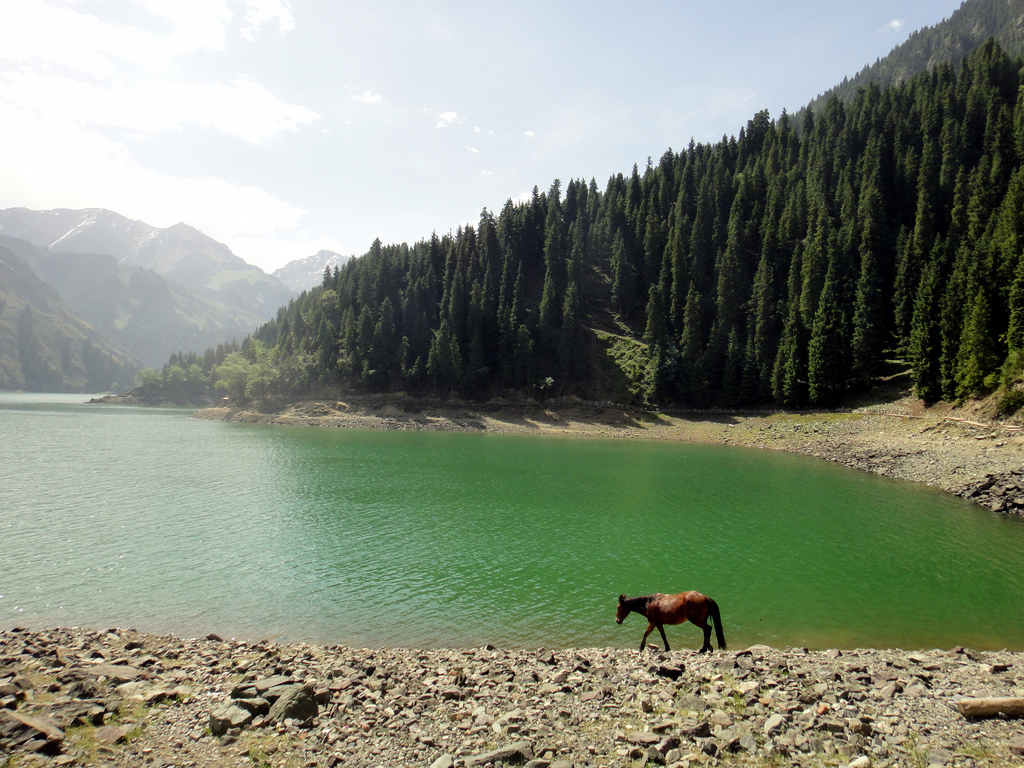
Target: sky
column 283, row 127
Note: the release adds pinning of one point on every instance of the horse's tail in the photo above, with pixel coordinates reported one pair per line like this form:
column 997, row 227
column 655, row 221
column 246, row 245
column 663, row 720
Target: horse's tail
column 716, row 619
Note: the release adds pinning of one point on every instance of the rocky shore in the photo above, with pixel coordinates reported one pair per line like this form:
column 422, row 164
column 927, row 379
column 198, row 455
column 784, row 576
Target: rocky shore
column 965, row 452
column 123, row 698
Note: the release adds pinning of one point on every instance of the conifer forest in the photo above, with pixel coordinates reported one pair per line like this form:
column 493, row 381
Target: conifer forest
column 792, row 264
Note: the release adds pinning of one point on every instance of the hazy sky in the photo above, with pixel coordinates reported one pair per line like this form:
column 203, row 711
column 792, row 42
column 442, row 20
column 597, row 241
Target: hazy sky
column 281, row 127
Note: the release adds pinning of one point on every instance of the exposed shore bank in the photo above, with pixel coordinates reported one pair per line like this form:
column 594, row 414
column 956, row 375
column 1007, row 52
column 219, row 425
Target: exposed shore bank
column 124, row 698
column 961, row 453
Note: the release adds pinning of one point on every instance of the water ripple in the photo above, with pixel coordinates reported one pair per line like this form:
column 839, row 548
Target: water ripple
column 151, row 519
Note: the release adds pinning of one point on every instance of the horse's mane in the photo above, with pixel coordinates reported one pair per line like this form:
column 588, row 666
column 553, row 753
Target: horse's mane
column 638, row 604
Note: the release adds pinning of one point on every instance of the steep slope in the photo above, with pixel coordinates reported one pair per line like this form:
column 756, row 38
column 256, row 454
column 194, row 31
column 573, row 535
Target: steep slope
column 181, row 253
column 951, row 40
column 883, row 241
column 45, row 347
column 302, row 274
column 147, row 314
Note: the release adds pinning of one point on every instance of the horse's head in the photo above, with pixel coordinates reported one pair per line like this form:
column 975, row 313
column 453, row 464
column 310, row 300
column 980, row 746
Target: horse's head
column 623, row 611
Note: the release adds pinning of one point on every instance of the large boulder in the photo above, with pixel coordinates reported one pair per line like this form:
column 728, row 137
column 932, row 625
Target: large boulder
column 296, row 702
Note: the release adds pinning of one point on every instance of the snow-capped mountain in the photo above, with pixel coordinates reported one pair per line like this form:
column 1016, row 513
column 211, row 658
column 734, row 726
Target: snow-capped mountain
column 303, row 274
column 180, row 253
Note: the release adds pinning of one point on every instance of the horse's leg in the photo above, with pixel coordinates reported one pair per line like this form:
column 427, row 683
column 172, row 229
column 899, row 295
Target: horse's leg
column 706, row 648
column 662, row 630
column 650, row 628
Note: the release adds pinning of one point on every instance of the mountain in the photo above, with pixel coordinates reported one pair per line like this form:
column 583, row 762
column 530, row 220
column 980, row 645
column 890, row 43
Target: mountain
column 45, row 346
column 302, row 274
column 147, row 314
column 180, row 253
column 949, row 41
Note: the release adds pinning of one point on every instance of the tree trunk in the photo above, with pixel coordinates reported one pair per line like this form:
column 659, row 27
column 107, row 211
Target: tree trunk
column 1010, row 707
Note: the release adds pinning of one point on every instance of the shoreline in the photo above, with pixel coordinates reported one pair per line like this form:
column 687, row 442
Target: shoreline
column 125, row 698
column 955, row 451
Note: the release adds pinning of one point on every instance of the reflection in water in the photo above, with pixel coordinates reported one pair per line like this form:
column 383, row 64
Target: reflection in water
column 151, row 519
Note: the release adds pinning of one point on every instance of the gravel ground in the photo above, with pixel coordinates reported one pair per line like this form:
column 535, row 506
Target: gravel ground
column 123, row 698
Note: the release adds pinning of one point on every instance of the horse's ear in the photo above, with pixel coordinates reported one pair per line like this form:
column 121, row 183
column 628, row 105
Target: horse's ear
column 622, row 599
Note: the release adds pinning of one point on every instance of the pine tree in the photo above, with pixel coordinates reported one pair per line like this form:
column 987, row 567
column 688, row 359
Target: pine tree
column 444, row 365
column 925, row 340
column 976, row 358
column 870, row 330
column 828, row 350
column 623, row 278
column 573, row 351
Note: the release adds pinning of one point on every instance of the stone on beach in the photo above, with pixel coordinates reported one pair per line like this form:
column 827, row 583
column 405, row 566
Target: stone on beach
column 456, row 708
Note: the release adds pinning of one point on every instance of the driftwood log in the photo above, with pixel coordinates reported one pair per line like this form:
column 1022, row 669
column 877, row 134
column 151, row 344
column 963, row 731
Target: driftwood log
column 1008, row 707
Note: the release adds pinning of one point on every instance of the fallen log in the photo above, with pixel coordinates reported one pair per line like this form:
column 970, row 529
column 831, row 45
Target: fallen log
column 1009, row 707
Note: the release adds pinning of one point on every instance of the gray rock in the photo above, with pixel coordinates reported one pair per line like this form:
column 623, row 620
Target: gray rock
column 642, row 737
column 116, row 673
column 444, row 761
column 519, row 752
column 112, row 734
column 748, row 742
column 42, row 726
column 297, row 702
column 264, row 685
column 256, row 706
column 774, row 724
column 228, row 716
column 273, row 694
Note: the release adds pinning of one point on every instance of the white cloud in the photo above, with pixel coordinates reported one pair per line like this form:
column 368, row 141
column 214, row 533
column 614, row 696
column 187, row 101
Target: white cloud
column 529, row 134
column 444, row 119
column 71, row 66
column 241, row 108
column 35, row 34
column 369, row 97
column 473, row 150
column 487, row 173
column 81, row 169
column 893, row 26
column 72, row 71
column 260, row 12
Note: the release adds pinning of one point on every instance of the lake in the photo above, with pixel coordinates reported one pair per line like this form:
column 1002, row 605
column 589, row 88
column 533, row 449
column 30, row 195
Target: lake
column 120, row 516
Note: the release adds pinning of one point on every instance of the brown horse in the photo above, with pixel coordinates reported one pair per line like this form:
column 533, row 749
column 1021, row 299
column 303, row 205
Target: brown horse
column 662, row 609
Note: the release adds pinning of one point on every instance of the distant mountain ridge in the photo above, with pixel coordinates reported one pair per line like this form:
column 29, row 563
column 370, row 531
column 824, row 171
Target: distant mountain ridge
column 302, row 274
column 149, row 315
column 45, row 346
column 951, row 40
column 180, row 253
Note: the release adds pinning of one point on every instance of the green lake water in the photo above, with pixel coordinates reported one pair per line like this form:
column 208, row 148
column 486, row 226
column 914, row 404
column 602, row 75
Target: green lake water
column 115, row 516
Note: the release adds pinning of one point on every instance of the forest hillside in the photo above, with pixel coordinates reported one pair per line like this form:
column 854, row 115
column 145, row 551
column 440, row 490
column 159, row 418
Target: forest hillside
column 779, row 266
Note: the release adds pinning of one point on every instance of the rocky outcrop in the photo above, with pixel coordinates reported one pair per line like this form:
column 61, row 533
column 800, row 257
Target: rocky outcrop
column 124, row 698
column 1000, row 493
